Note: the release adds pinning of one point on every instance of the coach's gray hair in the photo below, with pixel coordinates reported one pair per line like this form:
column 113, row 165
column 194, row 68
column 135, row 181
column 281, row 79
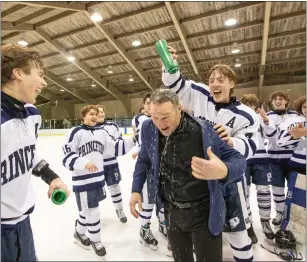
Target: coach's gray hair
column 164, row 95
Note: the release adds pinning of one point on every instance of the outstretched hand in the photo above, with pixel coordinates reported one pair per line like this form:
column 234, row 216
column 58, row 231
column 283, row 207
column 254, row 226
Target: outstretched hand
column 212, row 169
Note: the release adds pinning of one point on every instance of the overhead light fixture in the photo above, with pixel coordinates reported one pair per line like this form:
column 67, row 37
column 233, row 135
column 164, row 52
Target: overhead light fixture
column 71, row 58
column 93, row 84
column 136, row 43
column 131, row 79
column 68, row 78
column 231, row 19
column 96, row 17
column 110, row 71
column 62, row 90
column 235, row 49
column 22, row 42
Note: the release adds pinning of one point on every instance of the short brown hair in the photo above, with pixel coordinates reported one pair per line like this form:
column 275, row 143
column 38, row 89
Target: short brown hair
column 298, row 103
column 284, row 95
column 86, row 109
column 249, row 99
column 15, row 56
column 101, row 106
column 226, row 71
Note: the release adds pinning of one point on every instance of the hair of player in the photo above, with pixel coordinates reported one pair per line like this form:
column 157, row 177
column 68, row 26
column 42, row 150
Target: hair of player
column 226, row 71
column 86, row 109
column 250, row 100
column 101, row 106
column 160, row 96
column 298, row 103
column 15, row 56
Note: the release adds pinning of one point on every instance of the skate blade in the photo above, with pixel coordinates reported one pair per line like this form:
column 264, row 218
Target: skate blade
column 78, row 243
column 147, row 245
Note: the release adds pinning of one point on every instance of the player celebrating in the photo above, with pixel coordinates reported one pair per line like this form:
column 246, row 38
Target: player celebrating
column 22, row 79
column 111, row 168
column 235, row 123
column 259, row 172
column 84, row 151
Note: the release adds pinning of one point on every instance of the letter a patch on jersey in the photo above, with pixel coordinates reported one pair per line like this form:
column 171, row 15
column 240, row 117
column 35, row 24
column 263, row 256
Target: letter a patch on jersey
column 231, row 122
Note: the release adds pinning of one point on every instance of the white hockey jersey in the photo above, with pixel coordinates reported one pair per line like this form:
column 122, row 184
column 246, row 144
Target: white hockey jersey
column 139, row 120
column 85, row 144
column 275, row 152
column 113, row 130
column 240, row 121
column 261, row 156
column 18, row 157
column 286, row 141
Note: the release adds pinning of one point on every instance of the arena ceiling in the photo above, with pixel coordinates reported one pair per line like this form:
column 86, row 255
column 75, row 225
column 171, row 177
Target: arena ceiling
column 271, row 37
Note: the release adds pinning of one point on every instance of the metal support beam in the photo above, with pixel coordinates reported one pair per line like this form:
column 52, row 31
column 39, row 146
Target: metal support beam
column 12, row 10
column 7, row 26
column 75, row 6
column 96, row 77
column 183, row 36
column 265, row 37
column 120, row 48
column 64, row 85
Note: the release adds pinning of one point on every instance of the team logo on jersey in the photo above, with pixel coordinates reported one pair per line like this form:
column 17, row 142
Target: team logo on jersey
column 269, row 176
column 289, row 194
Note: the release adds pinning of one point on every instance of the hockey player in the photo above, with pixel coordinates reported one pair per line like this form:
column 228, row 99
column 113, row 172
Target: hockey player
column 111, row 169
column 235, row 123
column 258, row 171
column 22, row 79
column 141, row 111
column 84, row 150
column 279, row 157
column 292, row 134
column 148, row 200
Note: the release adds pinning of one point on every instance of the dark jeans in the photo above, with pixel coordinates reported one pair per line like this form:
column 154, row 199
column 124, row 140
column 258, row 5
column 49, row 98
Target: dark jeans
column 17, row 243
column 188, row 227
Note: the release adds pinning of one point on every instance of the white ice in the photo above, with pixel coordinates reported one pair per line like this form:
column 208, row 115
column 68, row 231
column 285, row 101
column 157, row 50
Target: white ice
column 53, row 226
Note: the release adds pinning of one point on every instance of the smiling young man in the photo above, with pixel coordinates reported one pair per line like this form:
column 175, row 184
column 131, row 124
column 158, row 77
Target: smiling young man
column 188, row 182
column 236, row 124
column 22, row 79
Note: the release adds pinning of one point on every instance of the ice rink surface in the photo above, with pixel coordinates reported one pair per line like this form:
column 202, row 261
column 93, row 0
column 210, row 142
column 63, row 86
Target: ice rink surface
column 53, row 226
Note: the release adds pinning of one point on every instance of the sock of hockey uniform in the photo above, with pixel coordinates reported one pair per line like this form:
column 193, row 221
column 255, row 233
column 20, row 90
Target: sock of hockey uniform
column 242, row 189
column 93, row 224
column 146, row 213
column 279, row 198
column 116, row 196
column 248, row 203
column 241, row 246
column 81, row 223
column 264, row 202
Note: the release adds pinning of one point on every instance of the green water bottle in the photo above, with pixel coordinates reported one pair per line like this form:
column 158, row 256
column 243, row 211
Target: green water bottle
column 171, row 66
column 58, row 196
